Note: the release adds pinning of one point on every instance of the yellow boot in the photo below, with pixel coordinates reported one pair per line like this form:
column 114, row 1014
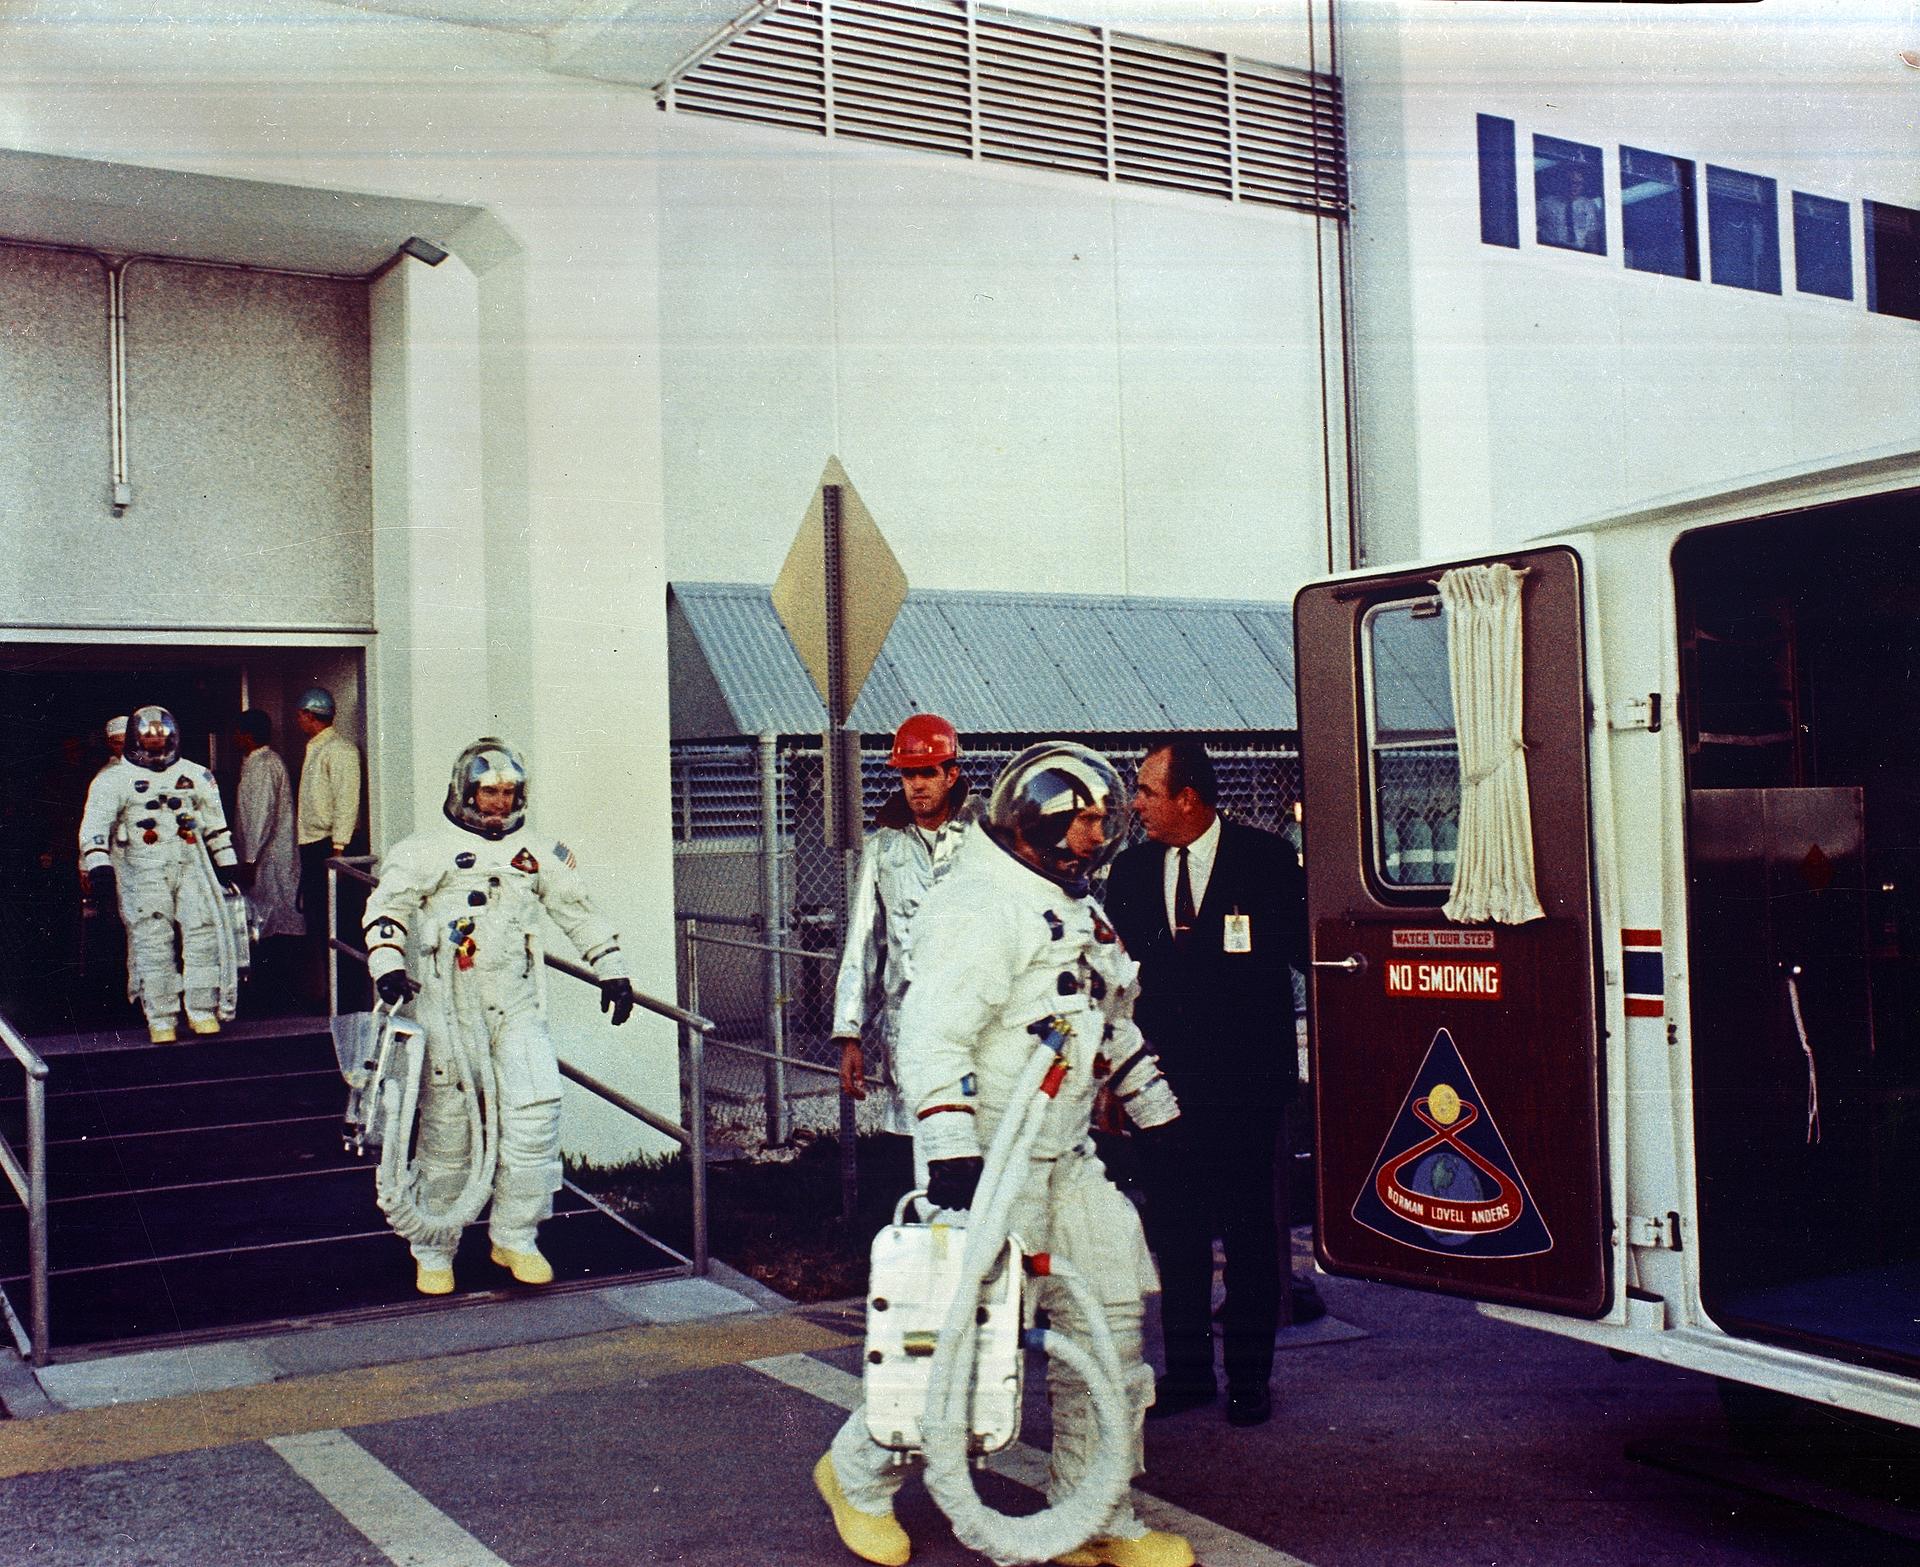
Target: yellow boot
column 1155, row 1548
column 204, row 1025
column 432, row 1281
column 873, row 1537
column 161, row 1033
column 529, row 1267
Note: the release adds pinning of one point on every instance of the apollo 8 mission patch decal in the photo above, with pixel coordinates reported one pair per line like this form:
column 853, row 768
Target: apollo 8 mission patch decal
column 1444, row 1181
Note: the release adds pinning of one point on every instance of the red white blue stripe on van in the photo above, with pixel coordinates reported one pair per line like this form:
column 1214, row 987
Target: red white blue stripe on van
column 1645, row 973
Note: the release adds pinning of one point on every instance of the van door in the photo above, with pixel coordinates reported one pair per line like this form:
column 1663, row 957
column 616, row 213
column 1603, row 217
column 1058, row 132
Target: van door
column 1457, row 1074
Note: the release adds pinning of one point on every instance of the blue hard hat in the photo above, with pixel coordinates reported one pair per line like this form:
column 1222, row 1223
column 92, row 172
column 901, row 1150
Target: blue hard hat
column 317, row 700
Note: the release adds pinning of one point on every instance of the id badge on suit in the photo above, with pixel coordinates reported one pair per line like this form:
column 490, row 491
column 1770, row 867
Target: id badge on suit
column 1236, row 933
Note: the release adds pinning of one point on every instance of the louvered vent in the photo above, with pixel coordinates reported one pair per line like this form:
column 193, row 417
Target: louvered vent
column 773, row 72
column 716, row 792
column 900, row 75
column 1290, row 138
column 1172, row 122
column 1043, row 94
column 1013, row 88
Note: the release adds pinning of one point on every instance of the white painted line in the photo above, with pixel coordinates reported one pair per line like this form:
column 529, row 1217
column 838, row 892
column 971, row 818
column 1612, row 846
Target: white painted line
column 827, row 1383
column 1214, row 1544
column 402, row 1524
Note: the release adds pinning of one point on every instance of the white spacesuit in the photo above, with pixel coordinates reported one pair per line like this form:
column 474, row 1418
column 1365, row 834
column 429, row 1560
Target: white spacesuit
column 116, row 733
column 154, row 836
column 1011, row 947
column 899, row 863
column 460, row 904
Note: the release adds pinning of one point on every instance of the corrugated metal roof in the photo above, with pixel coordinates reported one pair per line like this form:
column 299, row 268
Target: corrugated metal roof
column 998, row 663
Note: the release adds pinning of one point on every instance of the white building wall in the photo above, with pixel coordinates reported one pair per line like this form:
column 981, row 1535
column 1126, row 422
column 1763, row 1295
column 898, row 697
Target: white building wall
column 1035, row 381
column 1501, row 393
column 246, row 446
column 516, row 411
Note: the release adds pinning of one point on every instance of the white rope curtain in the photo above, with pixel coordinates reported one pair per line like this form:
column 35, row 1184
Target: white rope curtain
column 1493, row 877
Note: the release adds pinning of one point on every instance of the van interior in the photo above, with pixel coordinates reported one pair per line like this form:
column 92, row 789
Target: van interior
column 1800, row 697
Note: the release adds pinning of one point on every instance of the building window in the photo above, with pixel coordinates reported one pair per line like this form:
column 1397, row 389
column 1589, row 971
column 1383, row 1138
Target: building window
column 1659, row 220
column 1893, row 260
column 1568, row 207
column 1413, row 750
column 1822, row 246
column 1743, row 229
column 1499, row 189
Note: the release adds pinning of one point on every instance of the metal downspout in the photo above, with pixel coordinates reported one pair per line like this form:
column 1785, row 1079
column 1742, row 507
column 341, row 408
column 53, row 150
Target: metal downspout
column 1340, row 332
column 773, row 928
column 122, row 491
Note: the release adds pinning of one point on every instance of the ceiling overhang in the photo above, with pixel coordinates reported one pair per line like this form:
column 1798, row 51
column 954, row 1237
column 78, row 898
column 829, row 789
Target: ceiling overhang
column 119, row 209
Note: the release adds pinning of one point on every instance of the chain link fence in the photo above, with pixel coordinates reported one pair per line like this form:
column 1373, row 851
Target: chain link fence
column 762, row 904
column 1417, row 808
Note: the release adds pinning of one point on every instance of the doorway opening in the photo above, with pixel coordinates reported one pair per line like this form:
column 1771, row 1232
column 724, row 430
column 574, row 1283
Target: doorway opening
column 62, row 969
column 1800, row 689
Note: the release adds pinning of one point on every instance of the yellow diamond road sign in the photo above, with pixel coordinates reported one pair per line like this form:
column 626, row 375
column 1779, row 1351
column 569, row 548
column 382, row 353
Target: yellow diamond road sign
column 871, row 584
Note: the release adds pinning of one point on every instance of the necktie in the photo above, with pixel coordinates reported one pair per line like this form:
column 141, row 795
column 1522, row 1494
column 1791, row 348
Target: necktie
column 1182, row 900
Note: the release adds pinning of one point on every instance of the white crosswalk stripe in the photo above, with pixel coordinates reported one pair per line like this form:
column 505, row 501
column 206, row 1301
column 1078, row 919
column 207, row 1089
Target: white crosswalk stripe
column 402, row 1524
column 1212, row 1543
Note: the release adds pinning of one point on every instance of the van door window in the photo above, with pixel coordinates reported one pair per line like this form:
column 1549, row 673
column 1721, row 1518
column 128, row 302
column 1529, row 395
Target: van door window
column 1413, row 752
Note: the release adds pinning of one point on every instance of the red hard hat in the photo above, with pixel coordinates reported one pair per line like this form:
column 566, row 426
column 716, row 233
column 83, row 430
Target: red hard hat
column 924, row 740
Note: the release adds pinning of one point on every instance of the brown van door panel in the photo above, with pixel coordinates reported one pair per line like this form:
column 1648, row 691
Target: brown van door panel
column 1456, row 1068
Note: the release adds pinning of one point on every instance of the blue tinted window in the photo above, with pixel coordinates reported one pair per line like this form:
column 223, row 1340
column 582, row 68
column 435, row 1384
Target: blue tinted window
column 1822, row 246
column 1569, row 208
column 1893, row 260
column 1569, row 198
column 1499, row 191
column 1659, row 223
column 1743, row 229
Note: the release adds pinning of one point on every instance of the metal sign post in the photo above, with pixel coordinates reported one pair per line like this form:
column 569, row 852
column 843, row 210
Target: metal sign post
column 839, row 745
column 837, row 595
column 840, row 793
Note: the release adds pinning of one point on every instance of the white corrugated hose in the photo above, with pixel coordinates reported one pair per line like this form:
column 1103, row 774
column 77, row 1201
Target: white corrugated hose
column 1075, row 1518
column 397, row 1181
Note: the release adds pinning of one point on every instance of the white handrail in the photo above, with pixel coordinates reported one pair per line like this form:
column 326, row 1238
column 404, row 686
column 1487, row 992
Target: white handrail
column 29, row 1181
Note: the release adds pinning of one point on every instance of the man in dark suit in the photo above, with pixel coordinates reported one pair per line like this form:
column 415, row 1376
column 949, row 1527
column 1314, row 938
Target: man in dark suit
column 1215, row 914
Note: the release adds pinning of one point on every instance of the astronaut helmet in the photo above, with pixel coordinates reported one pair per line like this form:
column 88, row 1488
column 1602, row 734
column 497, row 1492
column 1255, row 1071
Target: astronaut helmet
column 153, row 739
column 1038, row 798
column 487, row 763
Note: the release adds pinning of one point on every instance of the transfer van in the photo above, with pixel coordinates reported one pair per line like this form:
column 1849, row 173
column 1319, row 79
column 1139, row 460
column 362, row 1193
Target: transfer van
column 1613, row 854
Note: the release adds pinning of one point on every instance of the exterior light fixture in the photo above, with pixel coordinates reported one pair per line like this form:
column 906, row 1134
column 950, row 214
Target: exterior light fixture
column 423, row 250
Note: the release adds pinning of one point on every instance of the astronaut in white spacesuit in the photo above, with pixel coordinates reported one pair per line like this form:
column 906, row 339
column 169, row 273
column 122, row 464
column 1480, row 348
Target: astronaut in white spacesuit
column 154, row 843
column 1009, row 947
column 464, row 897
column 912, row 845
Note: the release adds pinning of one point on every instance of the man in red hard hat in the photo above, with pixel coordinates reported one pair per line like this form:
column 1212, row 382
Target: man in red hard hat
column 910, row 848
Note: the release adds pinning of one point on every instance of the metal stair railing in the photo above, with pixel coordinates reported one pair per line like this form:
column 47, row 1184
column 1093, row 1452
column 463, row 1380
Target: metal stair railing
column 29, row 1181
column 693, row 1036
column 779, row 1060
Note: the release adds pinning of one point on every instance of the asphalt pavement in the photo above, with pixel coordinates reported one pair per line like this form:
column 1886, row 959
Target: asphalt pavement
column 677, row 1422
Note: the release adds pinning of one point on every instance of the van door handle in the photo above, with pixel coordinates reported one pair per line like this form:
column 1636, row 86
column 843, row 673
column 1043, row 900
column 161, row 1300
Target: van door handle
column 1356, row 964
